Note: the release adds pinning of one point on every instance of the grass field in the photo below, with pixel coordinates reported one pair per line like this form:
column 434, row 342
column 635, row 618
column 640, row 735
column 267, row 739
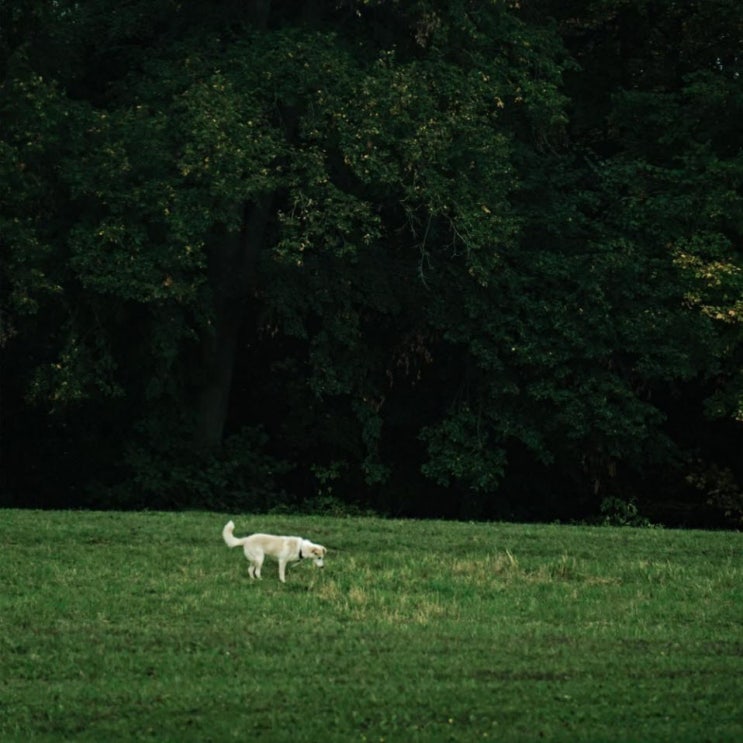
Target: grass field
column 123, row 627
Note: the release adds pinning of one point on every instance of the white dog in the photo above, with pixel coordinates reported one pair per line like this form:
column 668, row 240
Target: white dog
column 283, row 549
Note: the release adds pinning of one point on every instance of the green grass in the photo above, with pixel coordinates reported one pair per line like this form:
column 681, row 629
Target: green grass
column 146, row 627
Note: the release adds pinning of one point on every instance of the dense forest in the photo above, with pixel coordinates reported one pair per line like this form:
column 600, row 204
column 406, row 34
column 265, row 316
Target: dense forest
column 475, row 259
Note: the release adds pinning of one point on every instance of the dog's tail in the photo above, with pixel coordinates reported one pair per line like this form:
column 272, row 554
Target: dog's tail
column 229, row 539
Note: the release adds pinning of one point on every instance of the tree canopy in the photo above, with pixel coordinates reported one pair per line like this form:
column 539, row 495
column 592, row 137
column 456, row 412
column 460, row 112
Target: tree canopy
column 463, row 259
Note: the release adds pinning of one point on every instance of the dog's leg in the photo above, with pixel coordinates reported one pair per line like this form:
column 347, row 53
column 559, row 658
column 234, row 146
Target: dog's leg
column 251, row 571
column 258, row 562
column 282, row 570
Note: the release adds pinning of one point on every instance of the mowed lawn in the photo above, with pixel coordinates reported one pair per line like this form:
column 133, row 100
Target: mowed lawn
column 144, row 626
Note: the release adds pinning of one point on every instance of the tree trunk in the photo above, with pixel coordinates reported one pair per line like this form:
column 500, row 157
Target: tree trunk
column 232, row 272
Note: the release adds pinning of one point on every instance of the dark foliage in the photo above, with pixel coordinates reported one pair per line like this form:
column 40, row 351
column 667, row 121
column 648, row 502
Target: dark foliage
column 453, row 259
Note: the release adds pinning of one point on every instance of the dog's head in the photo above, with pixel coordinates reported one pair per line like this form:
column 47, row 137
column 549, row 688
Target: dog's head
column 316, row 553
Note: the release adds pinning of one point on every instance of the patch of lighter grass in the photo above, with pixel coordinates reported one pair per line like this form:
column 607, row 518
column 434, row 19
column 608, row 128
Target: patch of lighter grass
column 329, row 591
column 420, row 612
column 484, row 570
column 502, row 570
column 384, row 599
column 565, row 568
column 660, row 572
column 401, row 610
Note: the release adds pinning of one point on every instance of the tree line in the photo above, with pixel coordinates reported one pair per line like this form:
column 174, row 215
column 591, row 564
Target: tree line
column 456, row 259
